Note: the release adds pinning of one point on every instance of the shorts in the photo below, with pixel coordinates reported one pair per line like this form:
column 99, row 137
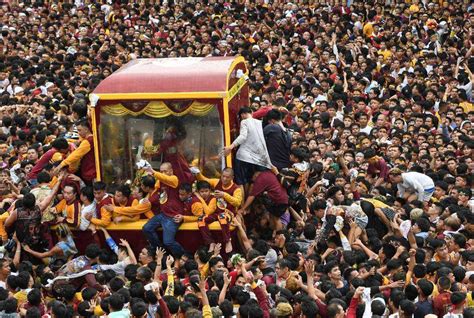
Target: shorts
column 277, row 210
column 244, row 171
column 361, row 221
column 427, row 194
column 389, row 213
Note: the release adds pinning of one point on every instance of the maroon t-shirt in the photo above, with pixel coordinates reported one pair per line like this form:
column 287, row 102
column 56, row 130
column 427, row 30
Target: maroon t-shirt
column 379, row 168
column 442, row 303
column 267, row 181
column 170, row 204
column 41, row 163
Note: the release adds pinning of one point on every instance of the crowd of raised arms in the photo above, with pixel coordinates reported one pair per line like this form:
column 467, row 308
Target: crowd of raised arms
column 351, row 190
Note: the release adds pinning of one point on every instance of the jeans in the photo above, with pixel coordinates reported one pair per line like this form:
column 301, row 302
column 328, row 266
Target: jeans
column 169, row 232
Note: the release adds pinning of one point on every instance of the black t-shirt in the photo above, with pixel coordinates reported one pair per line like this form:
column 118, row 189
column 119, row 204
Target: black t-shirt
column 423, row 308
column 278, row 144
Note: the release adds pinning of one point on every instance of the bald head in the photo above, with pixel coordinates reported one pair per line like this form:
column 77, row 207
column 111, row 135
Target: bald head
column 166, row 168
column 229, row 171
column 227, row 176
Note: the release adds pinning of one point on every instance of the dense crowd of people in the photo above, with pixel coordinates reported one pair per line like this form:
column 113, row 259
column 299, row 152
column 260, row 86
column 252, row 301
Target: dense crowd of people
column 351, row 189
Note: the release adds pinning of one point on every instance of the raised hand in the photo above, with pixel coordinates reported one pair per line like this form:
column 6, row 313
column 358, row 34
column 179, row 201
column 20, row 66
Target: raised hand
column 217, row 249
column 309, row 267
column 202, row 285
column 169, row 261
column 160, row 252
column 124, row 243
column 227, row 279
column 359, row 291
column 92, row 305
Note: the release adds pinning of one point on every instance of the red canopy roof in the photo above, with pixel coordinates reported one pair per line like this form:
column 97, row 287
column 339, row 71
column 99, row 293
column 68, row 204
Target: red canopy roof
column 169, row 75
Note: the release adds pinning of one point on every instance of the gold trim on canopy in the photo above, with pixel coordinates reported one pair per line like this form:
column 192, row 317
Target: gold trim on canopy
column 159, row 109
column 237, row 87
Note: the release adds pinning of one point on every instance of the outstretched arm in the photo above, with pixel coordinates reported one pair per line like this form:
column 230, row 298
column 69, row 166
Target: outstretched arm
column 47, row 201
column 296, row 216
column 206, row 308
column 54, row 251
column 76, row 156
column 366, row 250
column 131, row 211
column 239, row 140
column 224, row 288
column 242, row 136
column 171, row 181
column 248, row 202
column 212, row 181
column 131, row 254
column 244, row 240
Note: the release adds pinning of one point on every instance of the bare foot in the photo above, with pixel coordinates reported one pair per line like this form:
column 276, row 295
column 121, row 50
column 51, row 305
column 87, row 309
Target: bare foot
column 211, row 247
column 228, row 247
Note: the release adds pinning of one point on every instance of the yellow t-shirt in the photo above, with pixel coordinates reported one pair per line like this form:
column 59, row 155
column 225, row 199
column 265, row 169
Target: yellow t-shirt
column 470, row 301
column 21, row 296
column 467, row 107
column 377, row 204
column 368, row 29
column 414, row 8
column 386, row 54
column 435, row 290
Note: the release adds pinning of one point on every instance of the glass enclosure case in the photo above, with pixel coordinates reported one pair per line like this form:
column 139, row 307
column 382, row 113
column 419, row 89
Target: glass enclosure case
column 192, row 139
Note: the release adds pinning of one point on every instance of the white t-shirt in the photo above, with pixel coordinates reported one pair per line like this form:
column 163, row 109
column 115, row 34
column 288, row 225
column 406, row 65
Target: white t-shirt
column 4, row 84
column 367, row 129
column 85, row 210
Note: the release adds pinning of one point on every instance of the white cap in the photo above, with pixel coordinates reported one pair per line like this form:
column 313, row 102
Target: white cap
column 71, row 50
column 17, row 90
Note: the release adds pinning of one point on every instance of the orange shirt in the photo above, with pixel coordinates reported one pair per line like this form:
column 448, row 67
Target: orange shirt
column 72, row 212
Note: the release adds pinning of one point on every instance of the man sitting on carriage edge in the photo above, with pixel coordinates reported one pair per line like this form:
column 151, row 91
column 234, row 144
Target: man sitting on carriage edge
column 169, row 206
